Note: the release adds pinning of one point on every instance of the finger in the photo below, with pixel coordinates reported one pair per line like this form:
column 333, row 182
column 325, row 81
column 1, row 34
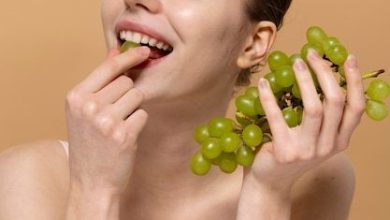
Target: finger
column 116, row 89
column 112, row 52
column 312, row 116
column 355, row 102
column 135, row 124
column 333, row 103
column 273, row 113
column 113, row 67
column 127, row 104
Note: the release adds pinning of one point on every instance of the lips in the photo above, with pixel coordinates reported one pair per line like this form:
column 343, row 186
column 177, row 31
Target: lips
column 144, row 35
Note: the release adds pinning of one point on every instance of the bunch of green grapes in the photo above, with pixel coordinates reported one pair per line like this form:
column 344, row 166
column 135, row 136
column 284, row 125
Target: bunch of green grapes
column 227, row 144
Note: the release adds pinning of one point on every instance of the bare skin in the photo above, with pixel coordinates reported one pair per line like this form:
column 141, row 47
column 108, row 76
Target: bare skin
column 130, row 131
column 35, row 181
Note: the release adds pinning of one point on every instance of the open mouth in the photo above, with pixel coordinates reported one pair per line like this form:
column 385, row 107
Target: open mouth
column 158, row 48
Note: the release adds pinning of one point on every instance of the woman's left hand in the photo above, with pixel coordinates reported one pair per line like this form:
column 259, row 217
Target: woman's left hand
column 326, row 127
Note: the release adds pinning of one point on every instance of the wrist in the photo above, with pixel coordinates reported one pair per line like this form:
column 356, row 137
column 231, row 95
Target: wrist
column 93, row 190
column 86, row 202
column 262, row 201
column 278, row 189
column 257, row 188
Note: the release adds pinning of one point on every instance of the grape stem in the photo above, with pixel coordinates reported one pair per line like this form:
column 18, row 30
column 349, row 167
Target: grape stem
column 368, row 75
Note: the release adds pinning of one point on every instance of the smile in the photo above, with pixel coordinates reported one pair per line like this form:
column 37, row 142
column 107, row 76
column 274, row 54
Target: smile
column 144, row 39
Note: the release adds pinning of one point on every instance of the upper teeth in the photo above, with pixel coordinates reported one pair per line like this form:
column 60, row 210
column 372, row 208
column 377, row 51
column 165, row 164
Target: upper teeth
column 142, row 38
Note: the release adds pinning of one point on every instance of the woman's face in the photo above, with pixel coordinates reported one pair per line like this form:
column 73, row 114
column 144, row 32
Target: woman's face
column 206, row 37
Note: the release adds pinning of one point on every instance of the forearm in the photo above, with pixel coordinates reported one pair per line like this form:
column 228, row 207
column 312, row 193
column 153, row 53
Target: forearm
column 86, row 204
column 258, row 202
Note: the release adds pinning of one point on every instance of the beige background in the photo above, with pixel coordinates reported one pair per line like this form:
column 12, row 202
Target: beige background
column 47, row 46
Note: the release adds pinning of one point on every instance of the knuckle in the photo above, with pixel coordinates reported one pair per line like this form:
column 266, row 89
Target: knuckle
column 307, row 155
column 336, row 98
column 358, row 108
column 74, row 98
column 315, row 110
column 286, row 158
column 90, row 107
column 118, row 136
column 324, row 152
column 105, row 123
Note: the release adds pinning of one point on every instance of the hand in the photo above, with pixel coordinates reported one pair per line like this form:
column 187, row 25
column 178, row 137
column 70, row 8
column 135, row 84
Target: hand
column 103, row 123
column 325, row 130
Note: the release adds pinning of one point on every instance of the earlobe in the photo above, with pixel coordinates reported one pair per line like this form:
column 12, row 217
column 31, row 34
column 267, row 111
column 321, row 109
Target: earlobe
column 257, row 45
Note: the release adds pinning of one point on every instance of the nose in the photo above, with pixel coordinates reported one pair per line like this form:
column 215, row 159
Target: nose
column 153, row 6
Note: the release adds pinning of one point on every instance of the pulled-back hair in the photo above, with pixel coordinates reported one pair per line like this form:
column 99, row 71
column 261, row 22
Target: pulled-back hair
column 263, row 10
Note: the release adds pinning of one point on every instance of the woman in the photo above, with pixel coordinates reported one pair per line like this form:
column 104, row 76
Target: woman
column 130, row 125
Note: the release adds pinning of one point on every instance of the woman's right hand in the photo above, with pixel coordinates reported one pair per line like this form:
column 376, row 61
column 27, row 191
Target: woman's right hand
column 103, row 123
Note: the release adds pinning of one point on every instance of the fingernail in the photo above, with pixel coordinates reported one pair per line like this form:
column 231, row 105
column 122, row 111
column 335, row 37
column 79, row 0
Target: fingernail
column 352, row 62
column 313, row 54
column 299, row 64
column 263, row 83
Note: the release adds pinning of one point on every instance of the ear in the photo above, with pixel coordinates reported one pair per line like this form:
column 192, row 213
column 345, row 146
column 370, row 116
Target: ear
column 257, row 45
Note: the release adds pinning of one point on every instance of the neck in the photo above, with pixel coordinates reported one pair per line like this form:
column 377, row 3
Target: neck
column 166, row 145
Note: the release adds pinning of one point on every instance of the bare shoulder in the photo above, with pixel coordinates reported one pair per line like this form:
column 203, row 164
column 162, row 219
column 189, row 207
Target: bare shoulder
column 325, row 192
column 33, row 178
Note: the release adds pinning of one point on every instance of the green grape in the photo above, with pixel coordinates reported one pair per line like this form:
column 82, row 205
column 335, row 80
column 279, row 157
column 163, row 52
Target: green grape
column 342, row 72
column 315, row 34
column 337, row 54
column 222, row 145
column 252, row 135
column 230, row 141
column 330, row 42
column 317, row 47
column 200, row 165
column 272, row 81
column 376, row 110
column 378, row 90
column 295, row 91
column 246, row 105
column 215, row 161
column 227, row 162
column 277, row 59
column 299, row 111
column 245, row 156
column 252, row 92
column 285, row 76
column 258, row 107
column 290, row 116
column 128, row 44
column 211, row 148
column 294, row 57
column 243, row 121
column 218, row 126
column 201, row 134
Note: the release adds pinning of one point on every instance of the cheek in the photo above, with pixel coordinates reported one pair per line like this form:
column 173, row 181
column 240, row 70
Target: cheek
column 110, row 10
column 215, row 29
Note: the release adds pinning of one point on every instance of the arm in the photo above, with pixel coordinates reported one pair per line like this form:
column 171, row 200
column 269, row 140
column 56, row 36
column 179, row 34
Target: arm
column 92, row 204
column 324, row 193
column 260, row 202
column 104, row 122
column 33, row 181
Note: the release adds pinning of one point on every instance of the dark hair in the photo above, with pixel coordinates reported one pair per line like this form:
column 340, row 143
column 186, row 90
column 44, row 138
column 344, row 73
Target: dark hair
column 263, row 10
